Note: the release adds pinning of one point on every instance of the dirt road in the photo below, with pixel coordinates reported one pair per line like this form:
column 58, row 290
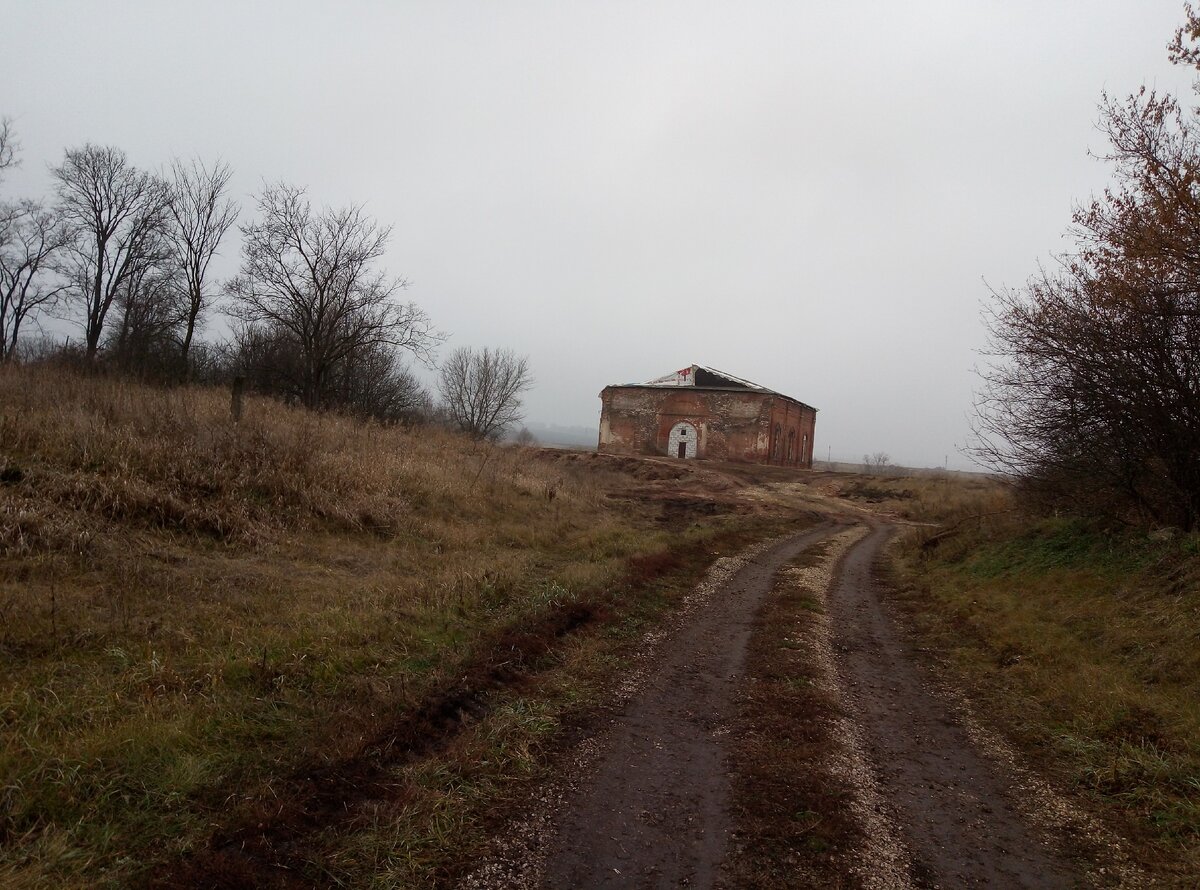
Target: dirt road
column 651, row 809
column 655, row 811
column 949, row 804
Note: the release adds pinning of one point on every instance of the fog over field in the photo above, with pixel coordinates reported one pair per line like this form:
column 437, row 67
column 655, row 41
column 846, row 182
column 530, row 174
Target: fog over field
column 810, row 196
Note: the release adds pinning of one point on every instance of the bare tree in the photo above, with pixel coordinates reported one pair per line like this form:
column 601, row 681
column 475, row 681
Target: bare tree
column 9, row 212
column 877, row 463
column 9, row 147
column 313, row 276
column 199, row 216
column 28, row 284
column 481, row 390
column 117, row 213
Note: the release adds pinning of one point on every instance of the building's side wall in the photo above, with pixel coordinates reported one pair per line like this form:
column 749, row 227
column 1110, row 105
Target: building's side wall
column 628, row 420
column 808, row 426
column 792, row 429
column 733, row 425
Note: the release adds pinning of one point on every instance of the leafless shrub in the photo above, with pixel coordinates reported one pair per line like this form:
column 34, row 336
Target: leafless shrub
column 149, row 315
column 877, row 463
column 375, row 382
column 371, row 381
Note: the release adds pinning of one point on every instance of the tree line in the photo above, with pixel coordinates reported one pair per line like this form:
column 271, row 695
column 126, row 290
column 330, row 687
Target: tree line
column 1092, row 397
column 125, row 254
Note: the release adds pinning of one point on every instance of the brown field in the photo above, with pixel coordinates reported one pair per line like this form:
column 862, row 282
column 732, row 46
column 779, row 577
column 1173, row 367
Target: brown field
column 199, row 617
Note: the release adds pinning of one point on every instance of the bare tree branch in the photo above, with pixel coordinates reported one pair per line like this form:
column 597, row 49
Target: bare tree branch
column 481, row 390
column 117, row 214
column 313, row 276
column 9, row 146
column 28, row 283
column 199, row 216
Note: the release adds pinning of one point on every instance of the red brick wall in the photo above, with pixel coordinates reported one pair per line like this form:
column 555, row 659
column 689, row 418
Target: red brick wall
column 733, row 425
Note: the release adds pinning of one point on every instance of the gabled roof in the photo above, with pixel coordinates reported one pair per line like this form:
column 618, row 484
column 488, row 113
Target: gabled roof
column 709, row 378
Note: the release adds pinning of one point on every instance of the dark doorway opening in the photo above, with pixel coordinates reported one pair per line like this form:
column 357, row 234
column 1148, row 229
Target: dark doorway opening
column 683, row 449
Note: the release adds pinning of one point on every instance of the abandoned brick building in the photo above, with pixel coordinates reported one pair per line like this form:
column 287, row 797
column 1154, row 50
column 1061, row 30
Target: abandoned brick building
column 701, row 413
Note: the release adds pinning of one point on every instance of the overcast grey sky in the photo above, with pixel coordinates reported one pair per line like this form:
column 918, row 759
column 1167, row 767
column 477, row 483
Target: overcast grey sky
column 809, row 195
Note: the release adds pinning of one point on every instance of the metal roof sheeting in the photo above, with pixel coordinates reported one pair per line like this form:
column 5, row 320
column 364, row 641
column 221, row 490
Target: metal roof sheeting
column 692, row 376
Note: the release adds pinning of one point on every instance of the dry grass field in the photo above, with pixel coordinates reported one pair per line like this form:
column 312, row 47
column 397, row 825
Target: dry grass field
column 197, row 617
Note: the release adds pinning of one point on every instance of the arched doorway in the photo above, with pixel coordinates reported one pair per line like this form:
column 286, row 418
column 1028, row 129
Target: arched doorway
column 683, row 440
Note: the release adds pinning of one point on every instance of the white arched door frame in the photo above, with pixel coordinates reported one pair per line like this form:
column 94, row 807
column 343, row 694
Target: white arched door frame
column 683, row 434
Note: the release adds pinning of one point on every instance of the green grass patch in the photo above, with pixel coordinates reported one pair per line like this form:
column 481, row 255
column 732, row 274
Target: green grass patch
column 1082, row 645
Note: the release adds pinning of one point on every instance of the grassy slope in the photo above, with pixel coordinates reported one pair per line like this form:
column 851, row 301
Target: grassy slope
column 1083, row 646
column 191, row 609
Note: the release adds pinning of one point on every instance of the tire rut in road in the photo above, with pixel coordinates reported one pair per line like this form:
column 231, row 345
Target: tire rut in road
column 951, row 806
column 654, row 812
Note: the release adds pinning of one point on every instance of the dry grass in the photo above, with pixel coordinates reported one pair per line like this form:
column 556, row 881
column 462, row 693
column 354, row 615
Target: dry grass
column 190, row 609
column 85, row 449
column 1082, row 645
column 944, row 498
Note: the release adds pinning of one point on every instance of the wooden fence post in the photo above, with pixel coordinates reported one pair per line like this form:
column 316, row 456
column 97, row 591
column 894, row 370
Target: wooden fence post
column 235, row 406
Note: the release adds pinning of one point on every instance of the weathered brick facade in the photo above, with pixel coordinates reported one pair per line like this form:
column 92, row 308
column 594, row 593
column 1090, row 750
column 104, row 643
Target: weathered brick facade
column 698, row 412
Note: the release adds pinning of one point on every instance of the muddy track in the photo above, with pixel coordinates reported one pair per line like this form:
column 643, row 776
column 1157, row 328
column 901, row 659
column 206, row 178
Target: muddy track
column 654, row 812
column 950, row 805
column 652, row 807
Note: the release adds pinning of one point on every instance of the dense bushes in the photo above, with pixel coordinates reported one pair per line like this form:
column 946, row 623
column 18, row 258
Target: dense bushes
column 1093, row 396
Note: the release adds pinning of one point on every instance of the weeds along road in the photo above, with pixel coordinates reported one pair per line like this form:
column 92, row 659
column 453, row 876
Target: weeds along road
column 651, row 808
